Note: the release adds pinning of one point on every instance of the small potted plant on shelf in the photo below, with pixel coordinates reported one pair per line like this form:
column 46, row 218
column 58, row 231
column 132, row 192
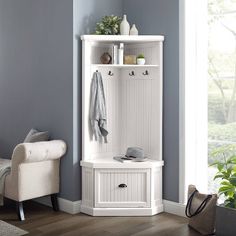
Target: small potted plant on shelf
column 140, row 59
column 109, row 25
column 225, row 162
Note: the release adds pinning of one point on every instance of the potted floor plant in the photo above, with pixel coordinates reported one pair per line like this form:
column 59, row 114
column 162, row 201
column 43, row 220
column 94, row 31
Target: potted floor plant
column 225, row 162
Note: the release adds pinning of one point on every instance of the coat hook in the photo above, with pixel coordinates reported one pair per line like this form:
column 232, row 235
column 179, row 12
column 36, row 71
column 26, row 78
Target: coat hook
column 110, row 73
column 132, row 73
column 145, row 73
column 96, row 70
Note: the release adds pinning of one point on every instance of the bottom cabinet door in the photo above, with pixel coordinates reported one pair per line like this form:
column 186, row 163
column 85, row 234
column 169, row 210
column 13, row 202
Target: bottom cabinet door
column 122, row 188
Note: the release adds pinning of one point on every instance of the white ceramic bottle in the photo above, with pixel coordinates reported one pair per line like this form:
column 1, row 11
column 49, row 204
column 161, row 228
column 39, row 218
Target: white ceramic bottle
column 133, row 30
column 124, row 26
column 121, row 54
column 115, row 54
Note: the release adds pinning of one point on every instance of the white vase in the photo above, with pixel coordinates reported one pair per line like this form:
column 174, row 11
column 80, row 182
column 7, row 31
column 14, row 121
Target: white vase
column 141, row 61
column 133, row 30
column 124, row 26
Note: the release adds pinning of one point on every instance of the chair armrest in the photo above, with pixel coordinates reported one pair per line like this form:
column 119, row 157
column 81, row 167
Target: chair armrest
column 30, row 160
column 39, row 151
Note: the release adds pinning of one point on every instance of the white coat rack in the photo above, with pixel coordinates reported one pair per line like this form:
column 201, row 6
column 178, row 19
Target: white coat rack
column 134, row 119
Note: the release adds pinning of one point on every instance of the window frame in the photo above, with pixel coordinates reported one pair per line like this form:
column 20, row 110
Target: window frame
column 193, row 120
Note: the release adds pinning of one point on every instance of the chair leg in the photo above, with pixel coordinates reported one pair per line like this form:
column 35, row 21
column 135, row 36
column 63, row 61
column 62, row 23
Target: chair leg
column 20, row 211
column 54, row 202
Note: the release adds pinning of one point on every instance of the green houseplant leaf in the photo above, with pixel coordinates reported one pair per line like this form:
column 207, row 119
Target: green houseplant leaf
column 226, row 164
column 109, row 25
column 141, row 56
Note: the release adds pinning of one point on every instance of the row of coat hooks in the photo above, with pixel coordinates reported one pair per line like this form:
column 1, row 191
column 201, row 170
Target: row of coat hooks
column 109, row 73
column 130, row 74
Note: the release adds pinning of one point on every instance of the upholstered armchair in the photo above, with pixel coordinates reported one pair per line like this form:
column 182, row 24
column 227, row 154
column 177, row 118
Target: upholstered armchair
column 34, row 172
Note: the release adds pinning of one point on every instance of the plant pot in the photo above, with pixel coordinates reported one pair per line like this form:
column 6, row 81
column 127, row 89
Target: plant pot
column 225, row 221
column 141, row 61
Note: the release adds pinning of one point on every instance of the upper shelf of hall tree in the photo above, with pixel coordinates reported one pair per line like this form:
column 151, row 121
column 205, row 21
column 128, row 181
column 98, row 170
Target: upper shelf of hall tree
column 123, row 38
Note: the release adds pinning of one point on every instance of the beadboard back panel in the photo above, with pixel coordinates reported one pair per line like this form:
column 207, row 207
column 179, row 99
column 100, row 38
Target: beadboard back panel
column 99, row 148
column 133, row 101
column 97, row 49
column 141, row 112
column 149, row 50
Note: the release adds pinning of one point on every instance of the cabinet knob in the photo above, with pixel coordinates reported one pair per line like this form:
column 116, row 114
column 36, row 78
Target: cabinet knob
column 122, row 186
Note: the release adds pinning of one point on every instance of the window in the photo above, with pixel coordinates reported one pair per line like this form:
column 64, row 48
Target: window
column 221, row 79
column 193, row 96
column 207, row 88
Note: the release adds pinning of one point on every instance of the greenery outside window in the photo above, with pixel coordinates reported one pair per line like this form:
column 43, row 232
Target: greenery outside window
column 221, row 80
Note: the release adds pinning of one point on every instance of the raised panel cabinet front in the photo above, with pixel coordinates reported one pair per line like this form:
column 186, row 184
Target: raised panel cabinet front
column 122, row 188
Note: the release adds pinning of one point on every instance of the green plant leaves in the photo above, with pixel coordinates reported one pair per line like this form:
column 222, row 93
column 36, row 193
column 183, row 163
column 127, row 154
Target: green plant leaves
column 226, row 165
column 217, row 176
column 226, row 189
column 225, row 182
column 232, row 180
column 141, row 56
column 230, row 203
column 220, row 166
column 224, row 150
column 109, row 25
column 232, row 160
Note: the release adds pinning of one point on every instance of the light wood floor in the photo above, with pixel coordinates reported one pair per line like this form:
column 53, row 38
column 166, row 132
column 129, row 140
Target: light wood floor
column 41, row 220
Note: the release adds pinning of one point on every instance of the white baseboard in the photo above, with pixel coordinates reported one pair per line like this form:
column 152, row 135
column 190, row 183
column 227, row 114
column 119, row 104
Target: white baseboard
column 74, row 207
column 174, row 208
column 121, row 211
column 64, row 205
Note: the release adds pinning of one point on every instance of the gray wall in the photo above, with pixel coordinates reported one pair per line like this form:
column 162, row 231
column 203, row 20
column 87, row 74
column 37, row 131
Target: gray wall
column 85, row 18
column 162, row 17
column 36, row 75
column 91, row 11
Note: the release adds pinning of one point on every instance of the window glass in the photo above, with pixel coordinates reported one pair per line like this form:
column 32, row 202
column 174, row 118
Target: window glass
column 221, row 79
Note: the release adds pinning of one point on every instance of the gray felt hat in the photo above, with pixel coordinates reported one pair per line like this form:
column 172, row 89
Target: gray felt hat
column 135, row 152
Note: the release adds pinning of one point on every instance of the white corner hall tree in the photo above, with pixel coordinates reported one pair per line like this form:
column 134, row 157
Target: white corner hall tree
column 133, row 96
